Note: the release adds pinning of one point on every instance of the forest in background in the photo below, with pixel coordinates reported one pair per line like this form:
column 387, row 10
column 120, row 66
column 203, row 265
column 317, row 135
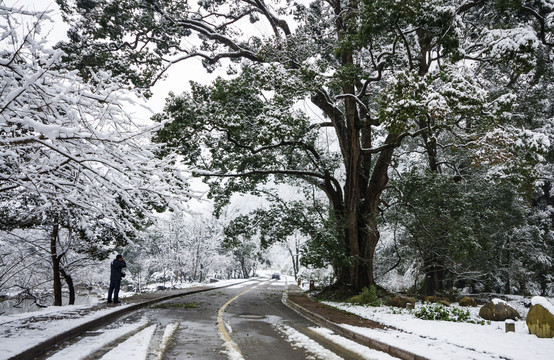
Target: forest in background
column 405, row 144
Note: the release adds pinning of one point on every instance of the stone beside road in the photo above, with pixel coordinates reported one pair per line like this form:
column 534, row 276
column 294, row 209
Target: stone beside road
column 498, row 310
column 540, row 322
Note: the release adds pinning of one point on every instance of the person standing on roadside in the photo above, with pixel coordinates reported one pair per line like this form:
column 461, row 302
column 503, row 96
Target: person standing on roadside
column 116, row 274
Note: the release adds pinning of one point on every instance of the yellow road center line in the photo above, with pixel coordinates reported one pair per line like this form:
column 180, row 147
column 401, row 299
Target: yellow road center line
column 221, row 325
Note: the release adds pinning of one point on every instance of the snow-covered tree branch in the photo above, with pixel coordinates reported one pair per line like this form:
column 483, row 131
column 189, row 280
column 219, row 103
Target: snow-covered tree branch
column 72, row 156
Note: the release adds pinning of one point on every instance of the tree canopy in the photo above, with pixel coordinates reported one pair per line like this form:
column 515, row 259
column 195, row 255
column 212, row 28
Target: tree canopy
column 439, row 84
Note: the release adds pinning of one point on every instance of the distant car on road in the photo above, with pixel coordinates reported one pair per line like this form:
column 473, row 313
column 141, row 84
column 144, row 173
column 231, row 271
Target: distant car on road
column 276, row 276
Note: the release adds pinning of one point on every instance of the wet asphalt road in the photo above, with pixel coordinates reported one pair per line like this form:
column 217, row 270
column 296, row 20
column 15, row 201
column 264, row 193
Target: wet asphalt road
column 256, row 320
column 247, row 320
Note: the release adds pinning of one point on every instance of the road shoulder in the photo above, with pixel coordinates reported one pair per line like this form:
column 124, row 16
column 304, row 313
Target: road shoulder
column 334, row 319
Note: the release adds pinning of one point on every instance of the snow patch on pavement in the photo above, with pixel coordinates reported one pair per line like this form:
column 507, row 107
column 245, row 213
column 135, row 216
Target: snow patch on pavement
column 88, row 345
column 136, row 347
column 239, row 286
column 220, row 283
column 352, row 346
column 19, row 332
column 166, row 337
column 230, row 349
column 300, row 340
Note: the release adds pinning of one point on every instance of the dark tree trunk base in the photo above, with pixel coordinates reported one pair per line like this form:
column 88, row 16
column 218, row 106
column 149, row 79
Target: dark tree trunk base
column 337, row 292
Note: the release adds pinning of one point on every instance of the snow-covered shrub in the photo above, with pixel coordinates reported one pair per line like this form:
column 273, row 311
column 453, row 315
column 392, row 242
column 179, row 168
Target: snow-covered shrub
column 440, row 312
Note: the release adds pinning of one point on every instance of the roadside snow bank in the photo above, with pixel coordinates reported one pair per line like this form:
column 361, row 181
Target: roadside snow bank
column 452, row 340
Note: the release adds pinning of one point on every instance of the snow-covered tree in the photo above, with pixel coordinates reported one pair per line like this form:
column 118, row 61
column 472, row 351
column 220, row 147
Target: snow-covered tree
column 178, row 248
column 71, row 156
column 381, row 72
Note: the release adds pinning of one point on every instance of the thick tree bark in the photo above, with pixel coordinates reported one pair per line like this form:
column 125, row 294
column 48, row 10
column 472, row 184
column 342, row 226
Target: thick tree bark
column 362, row 199
column 434, row 276
column 366, row 177
column 56, row 265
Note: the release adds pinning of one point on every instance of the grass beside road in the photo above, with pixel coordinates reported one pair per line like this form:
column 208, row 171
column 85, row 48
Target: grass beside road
column 175, row 306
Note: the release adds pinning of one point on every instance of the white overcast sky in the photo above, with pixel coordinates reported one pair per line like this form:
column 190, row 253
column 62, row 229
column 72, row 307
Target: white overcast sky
column 177, row 78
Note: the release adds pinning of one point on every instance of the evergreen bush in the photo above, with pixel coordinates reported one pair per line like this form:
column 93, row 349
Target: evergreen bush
column 440, row 312
column 368, row 297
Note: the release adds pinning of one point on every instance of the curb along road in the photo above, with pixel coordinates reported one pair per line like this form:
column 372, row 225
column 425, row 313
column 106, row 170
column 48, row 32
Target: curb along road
column 359, row 338
column 41, row 348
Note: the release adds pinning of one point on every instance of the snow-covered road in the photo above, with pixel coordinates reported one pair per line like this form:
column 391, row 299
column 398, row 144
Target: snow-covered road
column 257, row 325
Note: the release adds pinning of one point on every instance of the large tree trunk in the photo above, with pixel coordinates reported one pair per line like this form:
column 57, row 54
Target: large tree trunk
column 362, row 207
column 366, row 177
column 435, row 275
column 56, row 265
column 359, row 272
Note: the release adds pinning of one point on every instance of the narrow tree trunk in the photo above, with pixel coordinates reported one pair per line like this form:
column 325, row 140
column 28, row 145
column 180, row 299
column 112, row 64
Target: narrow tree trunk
column 434, row 271
column 70, row 286
column 508, row 288
column 196, row 261
column 296, row 260
column 243, row 268
column 201, row 277
column 56, row 265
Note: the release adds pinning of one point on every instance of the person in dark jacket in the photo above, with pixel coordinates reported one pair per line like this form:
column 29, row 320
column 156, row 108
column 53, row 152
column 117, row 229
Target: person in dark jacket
column 116, row 274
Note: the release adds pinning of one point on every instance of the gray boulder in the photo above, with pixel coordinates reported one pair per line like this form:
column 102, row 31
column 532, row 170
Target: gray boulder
column 467, row 301
column 540, row 319
column 498, row 310
column 401, row 301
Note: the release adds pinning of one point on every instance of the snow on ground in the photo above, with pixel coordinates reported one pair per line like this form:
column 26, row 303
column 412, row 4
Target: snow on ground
column 138, row 344
column 362, row 351
column 315, row 350
column 451, row 340
column 93, row 297
column 240, row 286
column 167, row 336
column 431, row 339
column 19, row 332
column 154, row 286
column 136, row 347
column 300, row 340
column 89, row 345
